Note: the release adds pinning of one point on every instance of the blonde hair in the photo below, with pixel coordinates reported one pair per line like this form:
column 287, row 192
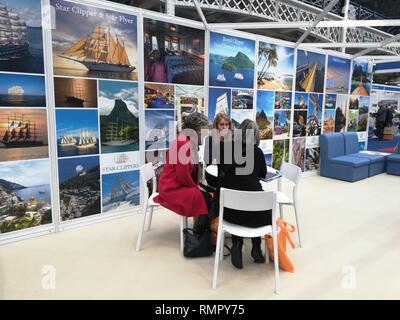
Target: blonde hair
column 222, row 116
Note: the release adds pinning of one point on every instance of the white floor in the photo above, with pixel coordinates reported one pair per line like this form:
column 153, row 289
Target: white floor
column 351, row 251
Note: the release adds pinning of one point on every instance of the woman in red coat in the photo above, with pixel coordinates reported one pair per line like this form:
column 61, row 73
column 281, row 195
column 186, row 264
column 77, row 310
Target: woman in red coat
column 178, row 185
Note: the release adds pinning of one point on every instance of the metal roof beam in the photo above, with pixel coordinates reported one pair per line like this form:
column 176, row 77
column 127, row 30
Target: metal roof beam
column 347, row 45
column 201, row 14
column 381, row 44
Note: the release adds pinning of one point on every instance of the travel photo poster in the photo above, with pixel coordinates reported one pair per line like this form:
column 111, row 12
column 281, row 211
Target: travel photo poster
column 173, row 53
column 298, row 152
column 159, row 128
column 119, row 116
column 310, row 71
column 24, row 134
column 275, row 67
column 188, row 99
column 75, row 93
column 79, row 187
column 231, row 61
column 338, row 75
column 219, row 100
column 21, row 40
column 314, row 116
column 280, row 152
column 360, row 79
column 25, row 195
column 341, row 112
column 77, row 132
column 92, row 42
column 159, row 96
column 265, row 113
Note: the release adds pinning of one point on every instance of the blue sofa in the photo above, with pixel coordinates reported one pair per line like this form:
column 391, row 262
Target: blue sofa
column 393, row 164
column 335, row 163
column 377, row 162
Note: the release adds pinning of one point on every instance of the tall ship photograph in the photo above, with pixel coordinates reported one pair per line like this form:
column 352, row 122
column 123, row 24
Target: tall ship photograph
column 93, row 46
column 219, row 100
column 120, row 191
column 77, row 137
column 23, row 134
column 75, row 93
column 119, row 116
column 25, row 195
column 21, row 38
column 310, row 71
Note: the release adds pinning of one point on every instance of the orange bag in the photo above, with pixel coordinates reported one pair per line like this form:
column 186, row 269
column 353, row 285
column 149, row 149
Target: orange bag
column 283, row 234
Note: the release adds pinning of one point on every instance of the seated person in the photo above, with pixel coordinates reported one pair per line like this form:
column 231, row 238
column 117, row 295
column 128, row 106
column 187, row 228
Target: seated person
column 178, row 186
column 231, row 179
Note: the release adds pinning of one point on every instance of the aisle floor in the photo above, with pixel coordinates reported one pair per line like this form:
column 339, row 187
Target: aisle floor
column 351, row 240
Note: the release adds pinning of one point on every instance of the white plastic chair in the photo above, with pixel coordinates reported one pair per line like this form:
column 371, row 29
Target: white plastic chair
column 291, row 173
column 246, row 201
column 147, row 173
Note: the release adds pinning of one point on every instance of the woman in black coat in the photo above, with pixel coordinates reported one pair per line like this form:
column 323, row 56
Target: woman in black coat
column 247, row 182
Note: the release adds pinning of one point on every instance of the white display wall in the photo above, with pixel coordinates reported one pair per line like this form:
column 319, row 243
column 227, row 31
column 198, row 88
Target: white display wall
column 107, row 87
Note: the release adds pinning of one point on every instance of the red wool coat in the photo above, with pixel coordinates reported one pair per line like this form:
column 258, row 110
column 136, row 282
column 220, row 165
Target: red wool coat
column 178, row 188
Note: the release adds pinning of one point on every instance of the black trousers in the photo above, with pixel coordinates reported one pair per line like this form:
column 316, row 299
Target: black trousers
column 203, row 220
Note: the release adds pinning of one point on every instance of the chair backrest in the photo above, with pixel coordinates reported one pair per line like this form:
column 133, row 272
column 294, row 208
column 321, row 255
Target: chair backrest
column 290, row 172
column 350, row 142
column 247, row 200
column 147, row 173
column 331, row 145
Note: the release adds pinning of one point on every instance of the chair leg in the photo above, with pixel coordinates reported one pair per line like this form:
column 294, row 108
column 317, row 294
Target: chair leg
column 183, row 225
column 150, row 218
column 276, row 258
column 140, row 236
column 281, row 210
column 216, row 260
column 266, row 252
column 221, row 256
column 296, row 213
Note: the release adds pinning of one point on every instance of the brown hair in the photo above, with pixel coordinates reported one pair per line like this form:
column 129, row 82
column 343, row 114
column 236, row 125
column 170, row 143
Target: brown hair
column 222, row 116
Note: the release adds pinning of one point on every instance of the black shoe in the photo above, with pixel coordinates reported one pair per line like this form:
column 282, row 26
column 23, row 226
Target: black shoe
column 236, row 253
column 257, row 255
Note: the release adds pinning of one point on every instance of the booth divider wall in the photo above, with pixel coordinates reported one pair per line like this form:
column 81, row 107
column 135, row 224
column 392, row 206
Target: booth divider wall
column 116, row 83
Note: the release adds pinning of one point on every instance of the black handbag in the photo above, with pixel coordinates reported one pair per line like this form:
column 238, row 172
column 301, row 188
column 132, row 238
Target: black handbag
column 197, row 244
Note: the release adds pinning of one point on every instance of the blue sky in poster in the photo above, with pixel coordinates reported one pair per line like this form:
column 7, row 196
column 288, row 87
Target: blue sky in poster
column 229, row 46
column 338, row 75
column 67, row 168
column 214, row 93
column 312, row 107
column 266, row 101
column 285, row 60
column 297, row 97
column 74, row 121
column 31, row 85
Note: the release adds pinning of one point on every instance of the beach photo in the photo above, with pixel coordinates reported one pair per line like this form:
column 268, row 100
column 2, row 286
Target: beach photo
column 21, row 39
column 298, row 152
column 79, row 180
column 219, row 100
column 280, row 152
column 23, row 134
column 314, row 116
column 25, row 195
column 353, row 120
column 281, row 124
column 92, row 42
column 299, row 123
column 75, row 93
column 301, row 101
column 77, row 132
column 338, row 75
column 275, row 67
column 265, row 113
column 119, row 116
column 159, row 96
column 312, row 159
column 330, row 101
column 242, row 99
column 310, row 71
column 22, row 90
column 341, row 112
column 238, row 116
column 231, row 61
column 188, row 99
column 283, row 100
column 120, row 191
column 173, row 53
column 360, row 78
column 157, row 128
column 329, row 121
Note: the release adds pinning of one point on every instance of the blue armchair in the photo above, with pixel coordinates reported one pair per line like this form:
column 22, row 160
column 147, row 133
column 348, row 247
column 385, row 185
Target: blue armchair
column 393, row 164
column 334, row 163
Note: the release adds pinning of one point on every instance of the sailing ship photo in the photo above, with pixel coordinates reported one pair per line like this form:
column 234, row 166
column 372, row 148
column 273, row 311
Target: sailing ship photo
column 101, row 45
column 75, row 93
column 159, row 96
column 77, row 132
column 23, row 134
column 219, row 100
column 360, row 78
column 25, row 195
column 310, row 71
column 338, row 75
column 173, row 53
column 265, row 113
column 79, row 180
column 157, row 126
column 119, row 116
column 275, row 67
column 21, row 38
column 22, row 90
column 120, row 191
column 231, row 61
